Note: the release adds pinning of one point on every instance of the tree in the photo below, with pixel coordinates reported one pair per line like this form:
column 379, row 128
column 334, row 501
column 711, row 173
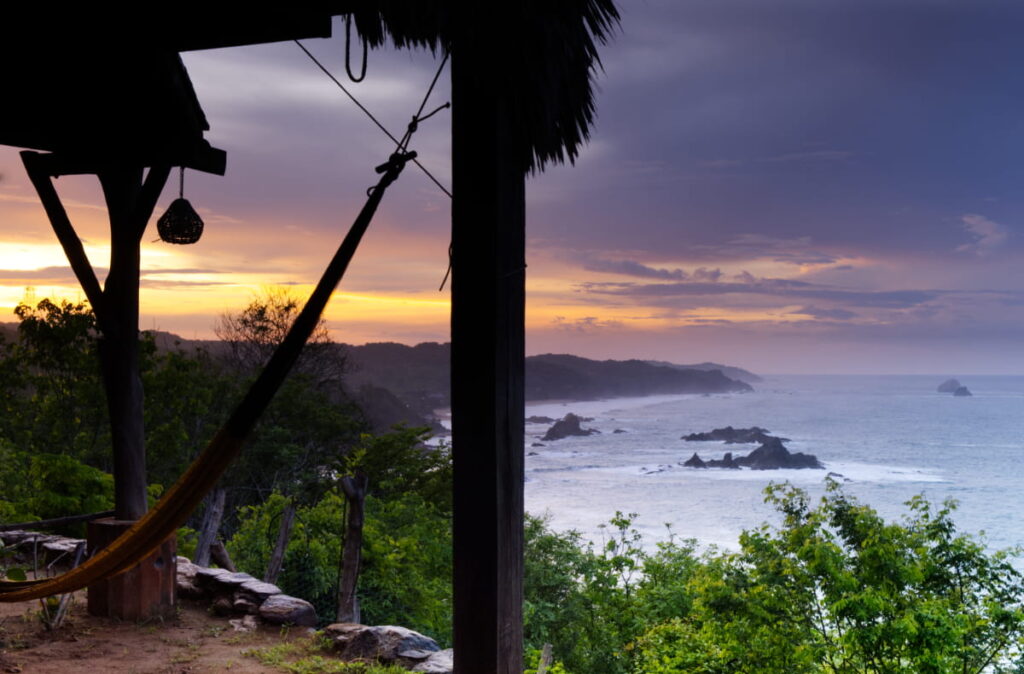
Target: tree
column 52, row 384
column 839, row 589
column 252, row 334
column 308, row 426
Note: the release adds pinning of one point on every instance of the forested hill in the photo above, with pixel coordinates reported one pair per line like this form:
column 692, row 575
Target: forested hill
column 390, row 380
column 729, row 371
column 419, row 375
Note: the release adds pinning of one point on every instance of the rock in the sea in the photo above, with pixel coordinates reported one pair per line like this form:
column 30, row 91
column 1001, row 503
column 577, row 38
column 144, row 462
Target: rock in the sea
column 695, row 462
column 773, row 455
column 386, row 644
column 726, row 461
column 538, row 444
column 618, row 430
column 284, row 610
column 962, row 392
column 731, row 436
column 537, row 419
column 948, row 386
column 568, row 425
column 442, row 662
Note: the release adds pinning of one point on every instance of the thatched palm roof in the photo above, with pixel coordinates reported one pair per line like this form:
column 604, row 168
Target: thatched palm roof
column 550, row 74
column 87, row 84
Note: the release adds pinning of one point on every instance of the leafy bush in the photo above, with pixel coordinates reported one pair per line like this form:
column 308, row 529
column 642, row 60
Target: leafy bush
column 838, row 589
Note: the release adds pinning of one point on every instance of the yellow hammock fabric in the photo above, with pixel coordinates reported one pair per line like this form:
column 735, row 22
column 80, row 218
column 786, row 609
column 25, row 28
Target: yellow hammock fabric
column 181, row 499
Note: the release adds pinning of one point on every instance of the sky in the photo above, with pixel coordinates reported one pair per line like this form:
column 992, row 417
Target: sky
column 798, row 186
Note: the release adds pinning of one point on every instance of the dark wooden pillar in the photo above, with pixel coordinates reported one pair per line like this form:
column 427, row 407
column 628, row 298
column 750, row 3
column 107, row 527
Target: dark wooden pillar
column 488, row 270
column 119, row 343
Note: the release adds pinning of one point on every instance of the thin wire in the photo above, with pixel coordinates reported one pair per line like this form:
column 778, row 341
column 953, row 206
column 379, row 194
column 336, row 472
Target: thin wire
column 181, row 182
column 370, row 114
column 408, row 132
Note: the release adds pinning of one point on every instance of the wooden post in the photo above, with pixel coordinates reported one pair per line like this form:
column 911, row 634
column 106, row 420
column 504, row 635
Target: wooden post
column 119, row 344
column 488, row 271
column 142, row 592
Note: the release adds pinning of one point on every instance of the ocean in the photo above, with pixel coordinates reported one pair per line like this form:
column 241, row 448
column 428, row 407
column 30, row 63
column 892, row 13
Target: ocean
column 889, row 437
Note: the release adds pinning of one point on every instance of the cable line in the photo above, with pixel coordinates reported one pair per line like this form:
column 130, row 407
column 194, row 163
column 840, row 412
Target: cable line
column 405, row 138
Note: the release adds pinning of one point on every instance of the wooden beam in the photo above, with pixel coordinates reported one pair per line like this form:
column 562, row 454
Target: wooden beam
column 488, row 271
column 197, row 156
column 149, row 194
column 55, row 522
column 35, row 166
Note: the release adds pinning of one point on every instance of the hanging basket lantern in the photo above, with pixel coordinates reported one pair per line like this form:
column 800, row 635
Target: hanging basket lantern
column 180, row 224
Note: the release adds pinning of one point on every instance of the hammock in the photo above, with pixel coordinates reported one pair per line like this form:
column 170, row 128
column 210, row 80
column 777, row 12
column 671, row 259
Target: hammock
column 173, row 510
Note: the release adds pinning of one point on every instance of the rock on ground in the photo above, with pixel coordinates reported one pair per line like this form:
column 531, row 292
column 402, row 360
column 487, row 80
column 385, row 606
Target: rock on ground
column 384, row 643
column 282, row 609
column 442, row 662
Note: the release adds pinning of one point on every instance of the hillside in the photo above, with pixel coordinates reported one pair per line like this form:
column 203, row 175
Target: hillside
column 397, row 383
column 418, row 375
column 729, row 371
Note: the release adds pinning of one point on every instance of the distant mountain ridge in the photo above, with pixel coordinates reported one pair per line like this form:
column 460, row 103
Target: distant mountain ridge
column 729, row 371
column 419, row 374
column 395, row 382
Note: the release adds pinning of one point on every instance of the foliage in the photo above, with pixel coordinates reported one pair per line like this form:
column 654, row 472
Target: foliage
column 406, row 566
column 308, row 427
column 591, row 602
column 253, row 333
column 188, row 396
column 531, row 660
column 838, row 589
column 41, row 486
column 52, row 389
column 406, row 573
column 399, row 463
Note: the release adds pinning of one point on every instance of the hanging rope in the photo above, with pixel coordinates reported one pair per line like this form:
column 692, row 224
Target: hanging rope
column 369, row 114
column 410, row 129
column 348, row 52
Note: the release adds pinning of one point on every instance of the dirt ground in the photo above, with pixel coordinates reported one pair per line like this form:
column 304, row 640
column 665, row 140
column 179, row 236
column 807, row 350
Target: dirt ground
column 194, row 642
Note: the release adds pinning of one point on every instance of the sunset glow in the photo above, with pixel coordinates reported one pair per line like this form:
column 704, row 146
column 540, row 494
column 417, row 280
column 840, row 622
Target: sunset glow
column 745, row 192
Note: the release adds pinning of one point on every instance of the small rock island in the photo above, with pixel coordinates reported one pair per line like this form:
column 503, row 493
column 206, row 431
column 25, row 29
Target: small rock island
column 566, row 426
column 771, row 455
column 955, row 387
column 732, row 436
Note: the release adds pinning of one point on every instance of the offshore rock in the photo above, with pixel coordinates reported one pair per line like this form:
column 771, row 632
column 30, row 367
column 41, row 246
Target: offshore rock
column 695, row 462
column 568, row 425
column 948, row 386
column 537, row 419
column 731, row 436
column 773, row 455
column 962, row 392
column 726, row 461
